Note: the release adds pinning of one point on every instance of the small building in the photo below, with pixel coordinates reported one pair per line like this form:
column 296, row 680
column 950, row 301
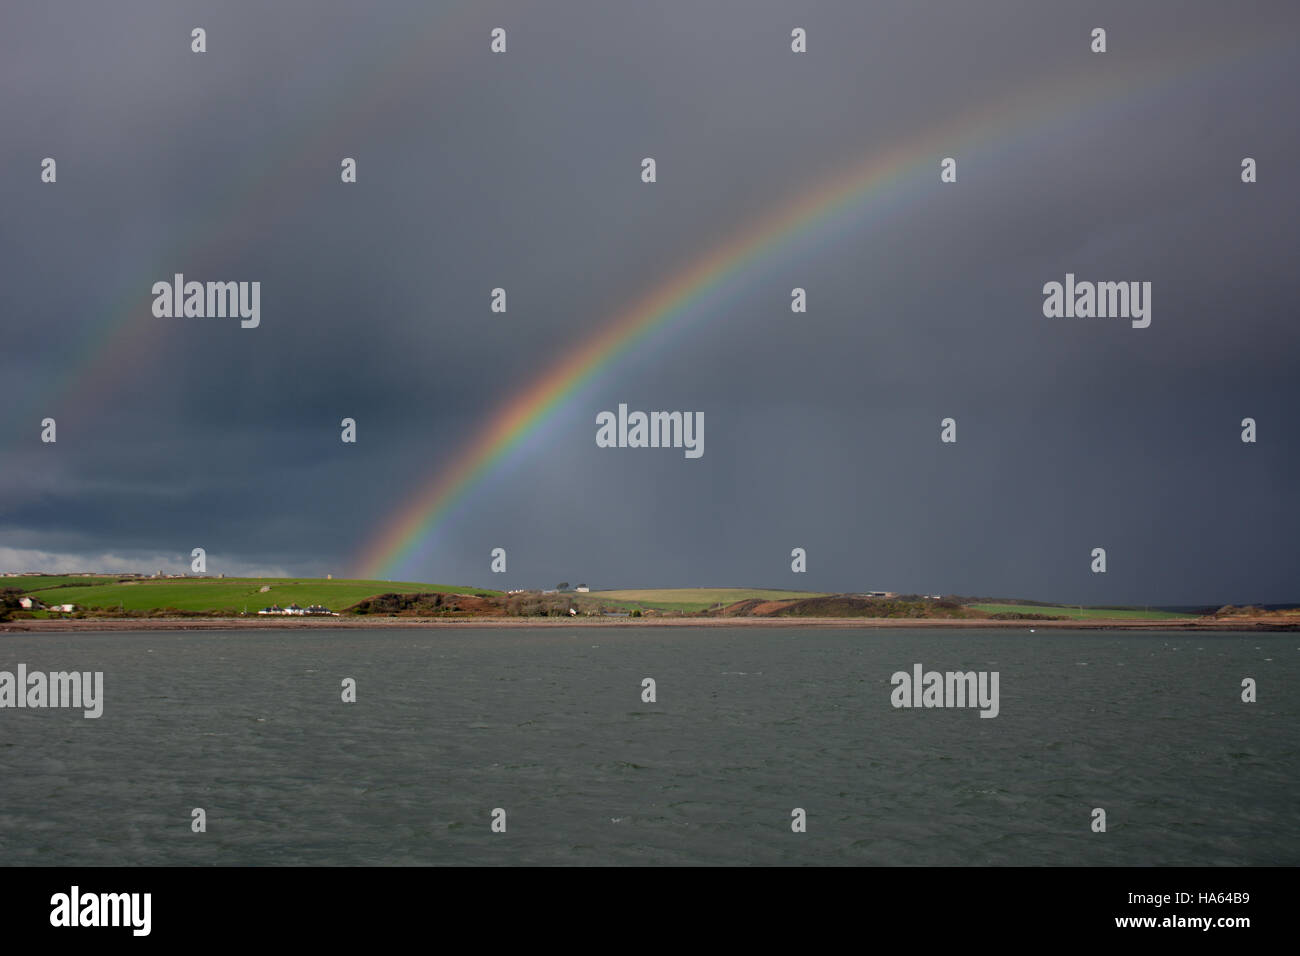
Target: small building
column 582, row 589
column 30, row 604
column 293, row 610
column 64, row 608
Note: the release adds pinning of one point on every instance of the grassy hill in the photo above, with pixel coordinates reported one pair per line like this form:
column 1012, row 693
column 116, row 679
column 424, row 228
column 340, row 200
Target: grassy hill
column 692, row 600
column 695, row 600
column 854, row 605
column 1087, row 613
column 43, row 582
column 224, row 594
column 818, row 603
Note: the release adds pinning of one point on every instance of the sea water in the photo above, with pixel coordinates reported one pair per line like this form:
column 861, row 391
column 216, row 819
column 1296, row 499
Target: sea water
column 748, row 725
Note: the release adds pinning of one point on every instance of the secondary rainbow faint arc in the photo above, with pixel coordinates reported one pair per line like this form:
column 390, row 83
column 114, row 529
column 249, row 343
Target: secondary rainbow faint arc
column 126, row 337
column 403, row 533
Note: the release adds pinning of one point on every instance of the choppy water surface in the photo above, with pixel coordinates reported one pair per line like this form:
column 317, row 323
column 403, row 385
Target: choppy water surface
column 749, row 724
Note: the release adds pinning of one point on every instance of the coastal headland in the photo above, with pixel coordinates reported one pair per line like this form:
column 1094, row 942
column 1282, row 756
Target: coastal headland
column 133, row 602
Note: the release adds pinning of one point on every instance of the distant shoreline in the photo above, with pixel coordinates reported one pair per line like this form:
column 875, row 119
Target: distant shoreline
column 378, row 622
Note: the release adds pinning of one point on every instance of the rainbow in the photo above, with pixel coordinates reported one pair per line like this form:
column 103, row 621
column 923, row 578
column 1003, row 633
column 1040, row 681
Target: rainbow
column 841, row 200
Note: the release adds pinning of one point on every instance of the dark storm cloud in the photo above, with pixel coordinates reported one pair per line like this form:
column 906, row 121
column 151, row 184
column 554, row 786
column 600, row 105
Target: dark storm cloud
column 522, row 171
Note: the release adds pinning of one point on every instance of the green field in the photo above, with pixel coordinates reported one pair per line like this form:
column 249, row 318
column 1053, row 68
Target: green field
column 689, row 600
column 1081, row 614
column 234, row 594
column 45, row 581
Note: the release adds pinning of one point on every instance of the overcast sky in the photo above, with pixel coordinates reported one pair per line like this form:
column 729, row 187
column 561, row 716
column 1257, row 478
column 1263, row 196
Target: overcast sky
column 522, row 170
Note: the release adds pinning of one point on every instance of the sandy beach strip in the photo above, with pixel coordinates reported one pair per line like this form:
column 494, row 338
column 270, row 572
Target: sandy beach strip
column 351, row 623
